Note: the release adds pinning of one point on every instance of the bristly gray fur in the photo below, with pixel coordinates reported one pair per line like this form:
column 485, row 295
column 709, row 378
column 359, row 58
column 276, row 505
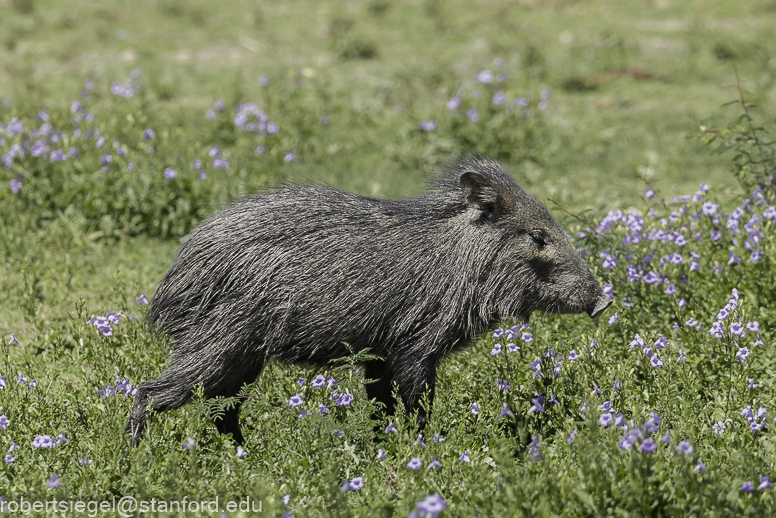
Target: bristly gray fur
column 293, row 273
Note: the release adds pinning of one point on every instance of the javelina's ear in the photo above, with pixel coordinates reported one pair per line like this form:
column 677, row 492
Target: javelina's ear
column 480, row 193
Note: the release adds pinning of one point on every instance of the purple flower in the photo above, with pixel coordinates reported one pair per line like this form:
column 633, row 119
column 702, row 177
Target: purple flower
column 149, row 134
column 719, row 428
column 170, row 173
column 613, row 319
column 454, row 103
column 390, row 428
column 684, row 448
column 296, row 400
column 656, row 362
column 344, row 399
column 220, row 163
column 4, row 422
column 9, row 458
column 431, row 506
column 716, row 330
column 682, row 357
column 16, row 185
column 43, row 441
column 670, row 290
column 475, row 408
column 499, row 98
column 241, row 453
column 716, row 235
column 496, row 350
column 503, row 384
column 484, row 77
column 419, row 442
column 415, row 463
column 435, row 464
column 573, row 356
column 605, row 419
column 438, row 438
column 62, row 439
column 141, row 299
column 764, row 483
column 427, row 125
column 527, row 338
column 649, row 194
column 737, row 329
column 534, row 448
column 505, row 411
column 322, row 409
column 381, row 454
column 472, row 115
column 464, row 457
column 648, row 446
column 748, row 487
column 699, row 467
column 190, row 443
column 538, row 405
column 354, row 485
column 733, row 258
column 742, row 354
column 572, row 436
column 54, row 481
column 318, row 382
column 513, row 348
column 289, row 156
column 751, row 384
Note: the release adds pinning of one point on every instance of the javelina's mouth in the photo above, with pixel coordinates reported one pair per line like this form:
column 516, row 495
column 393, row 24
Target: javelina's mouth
column 600, row 306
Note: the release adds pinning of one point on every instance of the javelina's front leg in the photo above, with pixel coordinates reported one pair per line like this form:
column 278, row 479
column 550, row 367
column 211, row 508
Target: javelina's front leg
column 381, row 389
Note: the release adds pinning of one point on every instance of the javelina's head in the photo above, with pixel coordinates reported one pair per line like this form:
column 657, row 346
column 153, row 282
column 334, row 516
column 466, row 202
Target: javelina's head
column 534, row 267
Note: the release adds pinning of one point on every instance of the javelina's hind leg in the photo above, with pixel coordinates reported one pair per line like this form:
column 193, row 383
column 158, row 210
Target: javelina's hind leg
column 230, row 422
column 164, row 393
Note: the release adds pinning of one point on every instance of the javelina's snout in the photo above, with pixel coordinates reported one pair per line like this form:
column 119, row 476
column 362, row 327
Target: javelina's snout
column 600, row 306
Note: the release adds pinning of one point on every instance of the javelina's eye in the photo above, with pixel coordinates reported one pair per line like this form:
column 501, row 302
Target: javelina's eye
column 538, row 238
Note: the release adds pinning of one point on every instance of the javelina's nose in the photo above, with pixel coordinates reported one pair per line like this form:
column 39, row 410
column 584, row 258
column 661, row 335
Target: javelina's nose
column 601, row 304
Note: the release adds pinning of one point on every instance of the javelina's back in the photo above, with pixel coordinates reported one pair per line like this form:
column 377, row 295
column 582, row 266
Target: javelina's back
column 293, row 273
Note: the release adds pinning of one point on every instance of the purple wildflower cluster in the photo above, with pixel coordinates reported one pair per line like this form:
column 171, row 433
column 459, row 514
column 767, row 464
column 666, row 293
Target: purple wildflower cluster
column 689, row 220
column 429, row 507
column 756, row 419
column 765, row 483
column 121, row 386
column 23, row 380
column 318, row 383
column 103, row 324
column 727, row 326
column 129, row 88
column 465, row 104
column 650, row 352
column 48, row 442
column 641, row 437
column 519, row 331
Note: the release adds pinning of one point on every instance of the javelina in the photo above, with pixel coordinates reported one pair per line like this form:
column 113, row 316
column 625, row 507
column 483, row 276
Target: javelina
column 292, row 274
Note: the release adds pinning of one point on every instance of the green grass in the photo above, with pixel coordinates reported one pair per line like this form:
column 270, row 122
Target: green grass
column 627, row 81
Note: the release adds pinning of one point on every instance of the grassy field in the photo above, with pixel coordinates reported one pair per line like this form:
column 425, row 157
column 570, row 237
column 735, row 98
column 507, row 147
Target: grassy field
column 125, row 124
